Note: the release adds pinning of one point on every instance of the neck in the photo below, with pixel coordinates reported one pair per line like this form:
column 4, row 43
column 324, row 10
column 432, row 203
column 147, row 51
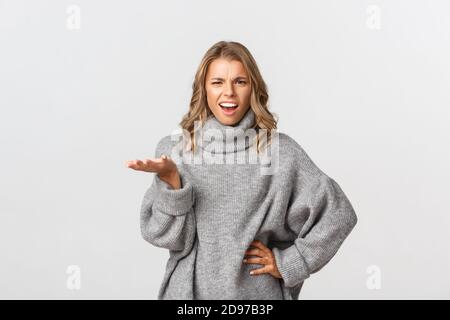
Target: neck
column 216, row 137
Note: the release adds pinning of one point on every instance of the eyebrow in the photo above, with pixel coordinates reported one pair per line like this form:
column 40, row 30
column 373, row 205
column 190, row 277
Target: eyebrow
column 238, row 77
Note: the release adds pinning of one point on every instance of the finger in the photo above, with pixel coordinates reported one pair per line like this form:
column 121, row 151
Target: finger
column 152, row 165
column 255, row 252
column 131, row 164
column 262, row 261
column 157, row 160
column 139, row 164
column 259, row 271
column 260, row 245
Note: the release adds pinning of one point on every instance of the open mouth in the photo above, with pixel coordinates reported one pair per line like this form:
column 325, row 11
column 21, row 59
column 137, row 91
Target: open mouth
column 228, row 107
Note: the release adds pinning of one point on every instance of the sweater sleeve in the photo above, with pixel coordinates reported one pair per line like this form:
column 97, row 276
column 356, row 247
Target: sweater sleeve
column 167, row 217
column 326, row 217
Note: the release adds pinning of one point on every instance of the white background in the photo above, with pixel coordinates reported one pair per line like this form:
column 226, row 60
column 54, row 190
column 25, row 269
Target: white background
column 362, row 86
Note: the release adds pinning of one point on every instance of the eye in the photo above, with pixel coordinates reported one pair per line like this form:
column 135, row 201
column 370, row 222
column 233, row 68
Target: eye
column 241, row 82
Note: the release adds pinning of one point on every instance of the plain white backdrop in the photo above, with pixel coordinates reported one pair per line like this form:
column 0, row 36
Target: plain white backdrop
column 362, row 86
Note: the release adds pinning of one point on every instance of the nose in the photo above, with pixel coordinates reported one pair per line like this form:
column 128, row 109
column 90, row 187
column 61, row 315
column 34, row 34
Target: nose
column 229, row 89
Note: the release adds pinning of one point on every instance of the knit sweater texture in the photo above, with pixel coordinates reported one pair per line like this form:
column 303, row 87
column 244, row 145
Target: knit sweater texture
column 296, row 210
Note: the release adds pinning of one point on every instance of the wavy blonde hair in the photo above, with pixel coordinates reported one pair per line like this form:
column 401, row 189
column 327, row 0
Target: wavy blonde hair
column 198, row 108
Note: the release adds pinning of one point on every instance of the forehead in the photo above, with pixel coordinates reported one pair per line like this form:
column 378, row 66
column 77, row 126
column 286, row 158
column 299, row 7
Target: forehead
column 222, row 67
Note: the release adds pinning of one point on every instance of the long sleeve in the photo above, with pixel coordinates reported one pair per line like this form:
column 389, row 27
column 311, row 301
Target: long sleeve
column 167, row 218
column 323, row 217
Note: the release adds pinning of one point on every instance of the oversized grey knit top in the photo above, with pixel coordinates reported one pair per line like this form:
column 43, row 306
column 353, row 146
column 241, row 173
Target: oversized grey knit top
column 298, row 212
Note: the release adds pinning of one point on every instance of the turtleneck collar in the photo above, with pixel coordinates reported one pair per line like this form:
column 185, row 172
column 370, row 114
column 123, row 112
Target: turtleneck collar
column 220, row 138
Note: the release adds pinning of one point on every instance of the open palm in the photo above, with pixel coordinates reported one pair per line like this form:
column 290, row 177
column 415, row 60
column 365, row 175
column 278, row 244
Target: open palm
column 164, row 167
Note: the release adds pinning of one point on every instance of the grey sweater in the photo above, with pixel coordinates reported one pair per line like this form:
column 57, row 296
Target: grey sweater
column 298, row 212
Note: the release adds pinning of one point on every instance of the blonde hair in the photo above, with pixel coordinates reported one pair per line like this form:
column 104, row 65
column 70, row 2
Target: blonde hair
column 198, row 108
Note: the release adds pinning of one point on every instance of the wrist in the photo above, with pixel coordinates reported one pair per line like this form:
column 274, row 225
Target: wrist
column 172, row 178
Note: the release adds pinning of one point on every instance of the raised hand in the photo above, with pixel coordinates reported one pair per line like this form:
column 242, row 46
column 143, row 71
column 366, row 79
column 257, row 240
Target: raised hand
column 164, row 167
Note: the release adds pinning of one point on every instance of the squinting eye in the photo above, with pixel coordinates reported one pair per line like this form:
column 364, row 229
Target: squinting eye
column 241, row 82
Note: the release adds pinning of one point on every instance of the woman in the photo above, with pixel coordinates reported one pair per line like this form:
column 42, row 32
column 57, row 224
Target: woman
column 220, row 219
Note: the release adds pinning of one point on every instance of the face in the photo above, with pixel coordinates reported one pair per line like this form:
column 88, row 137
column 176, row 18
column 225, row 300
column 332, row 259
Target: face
column 228, row 90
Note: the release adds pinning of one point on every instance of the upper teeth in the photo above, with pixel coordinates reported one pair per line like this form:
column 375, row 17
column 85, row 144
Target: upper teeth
column 228, row 105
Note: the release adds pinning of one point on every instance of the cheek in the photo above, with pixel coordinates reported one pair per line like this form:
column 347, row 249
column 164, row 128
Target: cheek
column 213, row 94
column 245, row 94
